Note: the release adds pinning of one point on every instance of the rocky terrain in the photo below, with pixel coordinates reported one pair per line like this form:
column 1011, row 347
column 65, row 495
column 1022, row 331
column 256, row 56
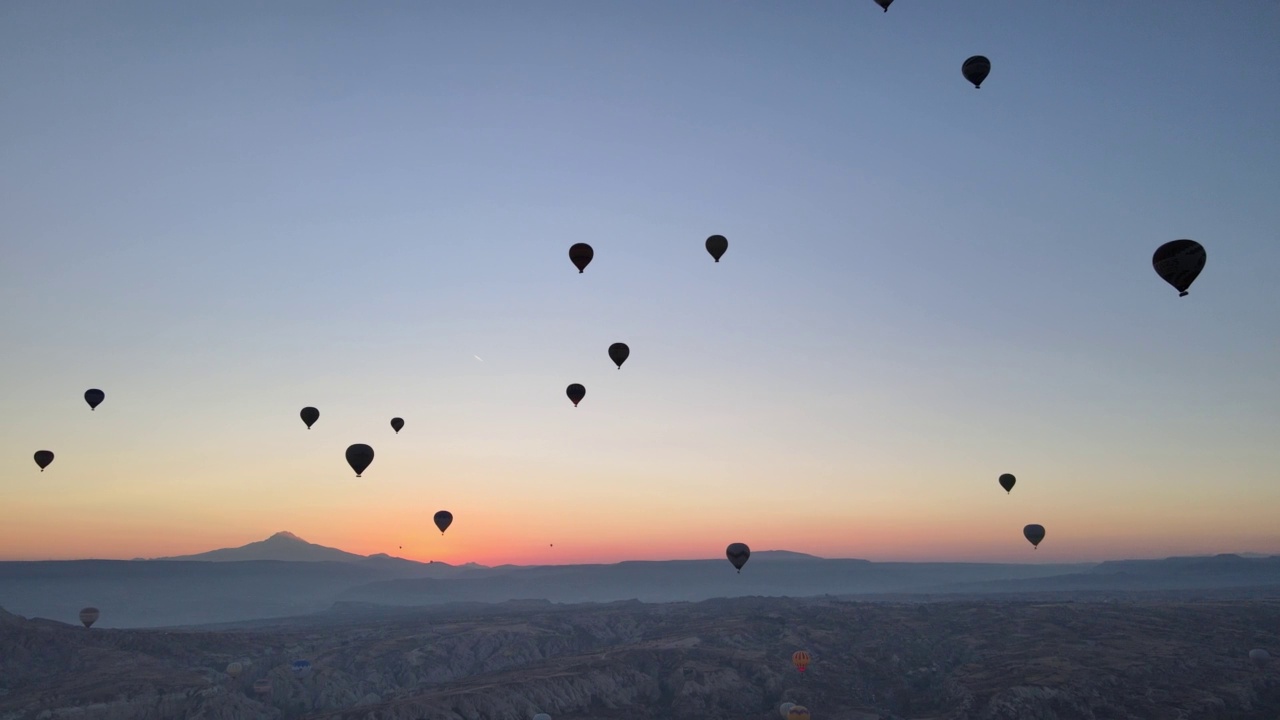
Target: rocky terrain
column 719, row 659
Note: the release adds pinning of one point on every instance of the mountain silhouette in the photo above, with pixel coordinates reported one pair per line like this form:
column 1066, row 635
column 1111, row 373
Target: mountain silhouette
column 284, row 546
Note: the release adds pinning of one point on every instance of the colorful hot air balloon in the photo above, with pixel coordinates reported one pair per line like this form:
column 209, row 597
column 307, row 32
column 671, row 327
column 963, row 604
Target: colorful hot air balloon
column 43, row 458
column 580, row 255
column 1034, row 534
column 443, row 520
column 1179, row 263
column 976, row 69
column 309, row 416
column 234, row 669
column 785, row 709
column 1007, row 481
column 1259, row 657
column 262, row 687
column 94, row 397
column 576, row 392
column 884, row 4
column 717, row 245
column 798, row 712
column 301, row 668
column 800, row 659
column 359, row 457
column 89, row 616
column 738, row 554
column 618, row 353
column 397, row 424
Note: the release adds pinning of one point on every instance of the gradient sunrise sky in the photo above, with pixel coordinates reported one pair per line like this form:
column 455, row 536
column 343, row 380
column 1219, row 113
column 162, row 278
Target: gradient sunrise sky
column 221, row 212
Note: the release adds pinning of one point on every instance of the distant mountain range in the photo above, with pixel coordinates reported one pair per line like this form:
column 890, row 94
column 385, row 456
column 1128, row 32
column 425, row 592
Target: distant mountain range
column 284, row 575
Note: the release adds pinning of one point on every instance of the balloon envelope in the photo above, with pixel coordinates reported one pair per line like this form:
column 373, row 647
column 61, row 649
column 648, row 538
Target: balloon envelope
column 262, row 687
column 884, row 4
column 738, row 554
column 301, row 667
column 1034, row 534
column 94, row 397
column 717, row 245
column 309, row 416
column 89, row 616
column 785, row 709
column 1259, row 657
column 580, row 255
column 443, row 519
column 1007, row 481
column 798, row 712
column 976, row 69
column 397, row 424
column 800, row 659
column 618, row 353
column 576, row 392
column 43, row 458
column 359, row 457
column 234, row 669
column 1179, row 263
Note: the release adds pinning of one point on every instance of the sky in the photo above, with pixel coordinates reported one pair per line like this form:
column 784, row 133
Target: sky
column 219, row 213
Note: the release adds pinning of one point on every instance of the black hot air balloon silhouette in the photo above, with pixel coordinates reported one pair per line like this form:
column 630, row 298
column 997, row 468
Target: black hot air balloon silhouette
column 884, row 4
column 1034, row 534
column 1179, row 262
column 1007, row 481
column 359, row 457
column 717, row 245
column 618, row 353
column 580, row 255
column 976, row 69
column 576, row 392
column 89, row 616
column 43, row 458
column 443, row 519
column 309, row 416
column 397, row 424
column 738, row 554
column 94, row 397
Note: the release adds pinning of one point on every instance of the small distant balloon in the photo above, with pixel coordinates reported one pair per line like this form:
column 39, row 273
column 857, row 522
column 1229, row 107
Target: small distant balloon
column 43, row 458
column 580, row 255
column 717, row 245
column 309, row 416
column 798, row 712
column 1034, row 534
column 884, row 4
column 576, row 392
column 1179, row 262
column 1259, row 656
column 738, row 554
column 976, row 69
column 1007, row 481
column 618, row 353
column 94, row 397
column 89, row 616
column 785, row 709
column 443, row 520
column 234, row 669
column 262, row 687
column 301, row 667
column 800, row 659
column 397, row 424
column 359, row 457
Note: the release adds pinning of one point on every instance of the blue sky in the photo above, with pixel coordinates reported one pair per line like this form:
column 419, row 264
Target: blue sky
column 221, row 212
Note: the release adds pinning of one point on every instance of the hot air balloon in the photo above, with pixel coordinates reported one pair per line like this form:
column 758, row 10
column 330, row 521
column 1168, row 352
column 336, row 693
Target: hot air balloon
column 800, row 659
column 1259, row 657
column 397, row 424
column 1007, row 481
column 94, row 397
column 618, row 353
column 359, row 457
column 89, row 616
column 738, row 554
column 716, row 245
column 43, row 458
column 1034, row 534
column 542, row 716
column 576, row 392
column 798, row 712
column 1179, row 262
column 976, row 69
column 580, row 255
column 301, row 668
column 262, row 687
column 884, row 4
column 785, row 709
column 443, row 519
column 309, row 416
column 234, row 669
